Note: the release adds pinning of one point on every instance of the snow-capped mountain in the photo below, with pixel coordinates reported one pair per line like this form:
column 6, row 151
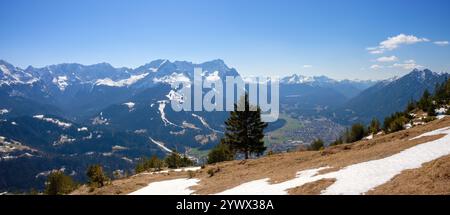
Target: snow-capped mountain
column 301, row 79
column 322, row 81
column 349, row 88
column 10, row 75
column 66, row 75
column 66, row 106
column 81, row 90
column 71, row 114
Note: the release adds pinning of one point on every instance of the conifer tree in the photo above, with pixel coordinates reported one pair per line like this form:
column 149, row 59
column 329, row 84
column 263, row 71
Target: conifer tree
column 58, row 183
column 245, row 129
column 220, row 153
column 318, row 144
column 96, row 175
column 374, row 126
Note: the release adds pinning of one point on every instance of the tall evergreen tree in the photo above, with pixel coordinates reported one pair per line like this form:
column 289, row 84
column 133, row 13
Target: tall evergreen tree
column 426, row 101
column 245, row 129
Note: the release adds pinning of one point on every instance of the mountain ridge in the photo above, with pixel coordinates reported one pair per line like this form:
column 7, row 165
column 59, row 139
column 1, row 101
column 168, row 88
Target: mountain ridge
column 389, row 96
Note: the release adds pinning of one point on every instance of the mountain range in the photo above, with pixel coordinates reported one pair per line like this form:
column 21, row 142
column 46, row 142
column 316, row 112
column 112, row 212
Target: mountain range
column 68, row 116
column 388, row 96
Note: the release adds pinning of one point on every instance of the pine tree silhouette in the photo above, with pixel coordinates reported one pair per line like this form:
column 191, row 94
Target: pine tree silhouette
column 245, row 129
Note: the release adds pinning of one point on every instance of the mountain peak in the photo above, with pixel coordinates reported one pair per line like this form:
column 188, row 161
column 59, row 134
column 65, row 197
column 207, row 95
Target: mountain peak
column 6, row 65
column 3, row 62
column 218, row 61
column 153, row 66
column 218, row 64
column 422, row 71
column 301, row 79
column 422, row 74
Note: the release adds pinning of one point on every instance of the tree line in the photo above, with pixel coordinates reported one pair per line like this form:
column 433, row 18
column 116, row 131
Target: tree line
column 428, row 103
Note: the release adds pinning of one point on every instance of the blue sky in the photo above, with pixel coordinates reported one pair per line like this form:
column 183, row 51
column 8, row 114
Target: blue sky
column 329, row 37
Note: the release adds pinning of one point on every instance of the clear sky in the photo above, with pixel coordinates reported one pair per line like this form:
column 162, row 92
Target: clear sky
column 338, row 38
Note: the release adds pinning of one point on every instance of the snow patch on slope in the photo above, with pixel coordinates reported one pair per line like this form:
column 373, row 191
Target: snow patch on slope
column 5, row 70
column 54, row 121
column 175, row 96
column 173, row 78
column 354, row 179
column 121, row 83
column 63, row 139
column 162, row 105
column 203, row 121
column 263, row 187
column 185, row 169
column 130, row 105
column 100, row 120
column 170, row 187
column 363, row 177
column 4, row 111
column 155, row 69
column 82, row 129
column 161, row 145
column 61, row 82
column 213, row 77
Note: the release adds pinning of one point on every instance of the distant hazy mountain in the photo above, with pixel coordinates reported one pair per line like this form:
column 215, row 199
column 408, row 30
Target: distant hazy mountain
column 348, row 88
column 315, row 96
column 388, row 96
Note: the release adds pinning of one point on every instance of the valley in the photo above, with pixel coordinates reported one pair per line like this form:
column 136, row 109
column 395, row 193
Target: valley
column 68, row 116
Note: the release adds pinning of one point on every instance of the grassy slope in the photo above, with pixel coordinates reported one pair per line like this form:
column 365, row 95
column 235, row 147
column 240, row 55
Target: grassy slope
column 284, row 166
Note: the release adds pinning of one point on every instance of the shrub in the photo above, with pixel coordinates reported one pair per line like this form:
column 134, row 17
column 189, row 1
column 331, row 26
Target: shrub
column 338, row 141
column 426, row 101
column 431, row 110
column 316, row 145
column 375, row 126
column 357, row 132
column 96, row 176
column 395, row 122
column 175, row 160
column 211, row 172
column 429, row 119
column 220, row 153
column 152, row 164
column 118, row 174
column 59, row 184
column 397, row 125
column 411, row 106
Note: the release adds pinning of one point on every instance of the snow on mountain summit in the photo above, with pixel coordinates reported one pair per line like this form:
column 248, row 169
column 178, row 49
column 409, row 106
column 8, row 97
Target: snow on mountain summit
column 121, row 83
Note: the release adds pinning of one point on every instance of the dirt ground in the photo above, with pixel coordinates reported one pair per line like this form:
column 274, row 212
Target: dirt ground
column 128, row 185
column 283, row 167
column 313, row 188
column 432, row 178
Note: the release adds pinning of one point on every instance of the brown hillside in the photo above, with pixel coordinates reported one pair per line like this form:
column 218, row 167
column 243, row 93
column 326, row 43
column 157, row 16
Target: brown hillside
column 432, row 178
